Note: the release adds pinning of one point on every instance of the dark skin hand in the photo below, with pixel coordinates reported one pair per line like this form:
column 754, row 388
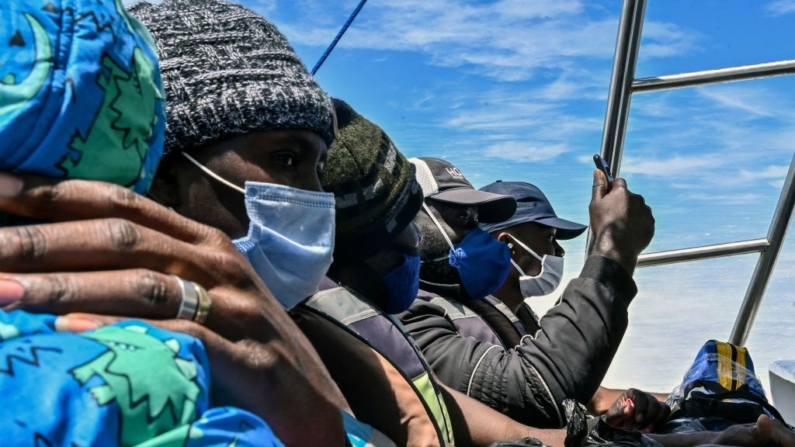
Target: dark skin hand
column 128, row 247
column 622, row 222
column 638, row 410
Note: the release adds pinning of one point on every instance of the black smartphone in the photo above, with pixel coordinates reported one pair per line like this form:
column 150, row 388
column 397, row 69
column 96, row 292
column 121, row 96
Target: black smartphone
column 601, row 165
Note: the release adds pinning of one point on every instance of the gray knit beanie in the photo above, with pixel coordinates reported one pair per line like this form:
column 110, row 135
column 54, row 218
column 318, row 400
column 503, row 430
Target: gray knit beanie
column 227, row 72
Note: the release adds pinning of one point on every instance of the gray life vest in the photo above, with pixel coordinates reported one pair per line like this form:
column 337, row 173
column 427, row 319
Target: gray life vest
column 387, row 336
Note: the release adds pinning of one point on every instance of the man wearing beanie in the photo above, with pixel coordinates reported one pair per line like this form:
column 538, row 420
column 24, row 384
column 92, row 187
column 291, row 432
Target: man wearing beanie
column 503, row 326
column 463, row 265
column 240, row 103
column 242, row 108
column 375, row 273
column 238, row 97
column 376, row 198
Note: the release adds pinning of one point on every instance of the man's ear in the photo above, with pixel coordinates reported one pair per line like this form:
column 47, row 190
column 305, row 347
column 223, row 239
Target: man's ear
column 505, row 238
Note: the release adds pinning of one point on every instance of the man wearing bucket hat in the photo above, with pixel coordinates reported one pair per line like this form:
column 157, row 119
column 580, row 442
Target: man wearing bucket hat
column 493, row 350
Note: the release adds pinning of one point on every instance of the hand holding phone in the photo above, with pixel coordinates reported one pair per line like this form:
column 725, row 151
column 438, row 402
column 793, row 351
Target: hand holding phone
column 601, row 165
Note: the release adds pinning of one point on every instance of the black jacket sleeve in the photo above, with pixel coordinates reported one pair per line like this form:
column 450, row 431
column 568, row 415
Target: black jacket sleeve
column 568, row 358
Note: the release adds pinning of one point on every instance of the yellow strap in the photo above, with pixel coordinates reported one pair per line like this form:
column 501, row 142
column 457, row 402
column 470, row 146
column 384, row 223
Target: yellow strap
column 725, row 365
column 731, row 370
column 742, row 355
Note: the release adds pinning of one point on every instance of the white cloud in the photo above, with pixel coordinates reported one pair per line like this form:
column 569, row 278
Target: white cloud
column 522, row 9
column 741, row 98
column 420, row 102
column 575, row 83
column 661, row 39
column 725, row 199
column 501, row 112
column 509, row 40
column 675, row 166
column 524, row 152
column 778, row 184
column 770, row 172
column 781, row 7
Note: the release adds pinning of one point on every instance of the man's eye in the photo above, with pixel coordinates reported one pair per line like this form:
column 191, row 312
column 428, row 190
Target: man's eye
column 285, row 159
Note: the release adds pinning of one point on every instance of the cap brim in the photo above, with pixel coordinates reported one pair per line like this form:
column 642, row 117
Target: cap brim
column 491, row 207
column 566, row 229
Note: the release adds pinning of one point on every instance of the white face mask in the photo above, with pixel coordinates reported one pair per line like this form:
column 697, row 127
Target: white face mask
column 547, row 281
column 290, row 239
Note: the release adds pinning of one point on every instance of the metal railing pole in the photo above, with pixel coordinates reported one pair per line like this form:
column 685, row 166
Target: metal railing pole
column 624, row 61
column 708, row 77
column 767, row 260
column 703, row 252
column 627, row 47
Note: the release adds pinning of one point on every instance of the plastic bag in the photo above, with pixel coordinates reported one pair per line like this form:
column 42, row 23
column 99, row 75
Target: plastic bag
column 587, row 431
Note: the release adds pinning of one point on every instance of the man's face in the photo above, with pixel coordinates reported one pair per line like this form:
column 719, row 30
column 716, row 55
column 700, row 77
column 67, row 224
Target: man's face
column 390, row 258
column 459, row 219
column 292, row 158
column 540, row 238
column 456, row 221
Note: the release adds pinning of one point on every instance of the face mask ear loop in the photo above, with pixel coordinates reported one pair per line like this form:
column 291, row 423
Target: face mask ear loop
column 521, row 272
column 213, row 174
column 438, row 225
column 526, row 248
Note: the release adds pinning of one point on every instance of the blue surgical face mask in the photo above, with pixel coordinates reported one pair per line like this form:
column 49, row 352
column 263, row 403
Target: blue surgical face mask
column 483, row 263
column 403, row 283
column 290, row 239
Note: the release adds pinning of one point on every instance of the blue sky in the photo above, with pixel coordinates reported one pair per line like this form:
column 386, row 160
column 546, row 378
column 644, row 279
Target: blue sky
column 516, row 90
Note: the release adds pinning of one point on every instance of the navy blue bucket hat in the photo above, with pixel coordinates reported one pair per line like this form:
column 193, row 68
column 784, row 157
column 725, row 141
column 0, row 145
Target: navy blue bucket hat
column 531, row 206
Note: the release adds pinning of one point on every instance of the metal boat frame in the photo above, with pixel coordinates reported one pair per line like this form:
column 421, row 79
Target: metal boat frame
column 622, row 85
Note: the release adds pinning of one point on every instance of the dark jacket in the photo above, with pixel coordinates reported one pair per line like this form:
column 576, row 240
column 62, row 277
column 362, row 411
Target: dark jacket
column 567, row 358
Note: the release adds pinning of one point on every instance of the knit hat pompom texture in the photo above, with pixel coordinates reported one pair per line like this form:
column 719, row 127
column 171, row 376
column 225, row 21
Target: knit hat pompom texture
column 375, row 187
column 227, row 72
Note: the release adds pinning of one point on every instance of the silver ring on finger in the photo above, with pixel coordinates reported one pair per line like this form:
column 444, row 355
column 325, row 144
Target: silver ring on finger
column 189, row 302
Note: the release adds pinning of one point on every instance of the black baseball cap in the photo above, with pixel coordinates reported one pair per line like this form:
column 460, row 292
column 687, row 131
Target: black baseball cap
column 532, row 206
column 442, row 181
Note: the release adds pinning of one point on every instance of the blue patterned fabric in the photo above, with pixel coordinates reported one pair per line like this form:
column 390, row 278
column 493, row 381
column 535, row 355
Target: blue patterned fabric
column 80, row 92
column 128, row 384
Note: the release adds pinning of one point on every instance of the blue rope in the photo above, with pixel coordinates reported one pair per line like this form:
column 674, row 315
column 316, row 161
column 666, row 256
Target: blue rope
column 339, row 36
